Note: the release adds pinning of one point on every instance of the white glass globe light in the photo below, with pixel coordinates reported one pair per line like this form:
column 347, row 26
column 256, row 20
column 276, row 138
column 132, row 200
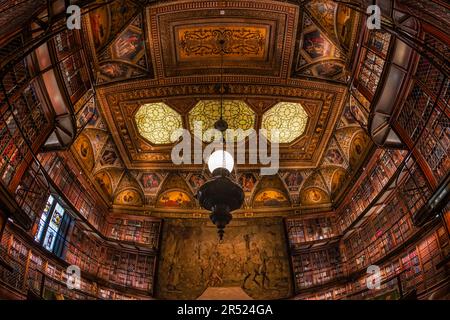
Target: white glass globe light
column 220, row 159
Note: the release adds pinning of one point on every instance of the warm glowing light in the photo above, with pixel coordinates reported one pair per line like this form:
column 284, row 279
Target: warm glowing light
column 157, row 121
column 236, row 113
column 220, row 159
column 288, row 118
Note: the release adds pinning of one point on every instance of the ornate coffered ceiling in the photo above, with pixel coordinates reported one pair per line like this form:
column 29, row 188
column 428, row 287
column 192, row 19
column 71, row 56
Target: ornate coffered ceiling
column 185, row 37
column 169, row 53
column 119, row 103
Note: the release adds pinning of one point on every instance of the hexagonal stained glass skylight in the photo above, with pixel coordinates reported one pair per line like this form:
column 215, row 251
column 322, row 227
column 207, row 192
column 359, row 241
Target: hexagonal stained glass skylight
column 157, row 121
column 236, row 112
column 288, row 118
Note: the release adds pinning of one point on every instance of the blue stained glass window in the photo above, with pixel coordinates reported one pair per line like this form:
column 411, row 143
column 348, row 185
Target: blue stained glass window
column 53, row 226
column 44, row 217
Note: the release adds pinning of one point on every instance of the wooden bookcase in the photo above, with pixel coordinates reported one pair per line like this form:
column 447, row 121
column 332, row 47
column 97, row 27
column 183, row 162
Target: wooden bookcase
column 371, row 184
column 35, row 267
column 312, row 268
column 28, row 116
column 129, row 269
column 142, row 230
column 67, row 182
column 423, row 120
column 302, row 230
column 70, row 55
column 375, row 51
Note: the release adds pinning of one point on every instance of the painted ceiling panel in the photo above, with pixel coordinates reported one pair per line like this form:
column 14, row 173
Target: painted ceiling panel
column 266, row 53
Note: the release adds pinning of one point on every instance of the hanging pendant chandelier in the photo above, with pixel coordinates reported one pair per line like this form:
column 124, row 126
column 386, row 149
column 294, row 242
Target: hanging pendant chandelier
column 221, row 195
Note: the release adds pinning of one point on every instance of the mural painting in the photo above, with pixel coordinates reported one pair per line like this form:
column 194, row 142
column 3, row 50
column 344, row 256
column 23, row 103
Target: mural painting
column 358, row 112
column 107, row 21
column 323, row 12
column 88, row 115
column 247, row 181
column 270, row 198
column 312, row 196
column 175, row 199
column 113, row 70
column 293, row 180
column 329, row 69
column 357, row 148
column 345, row 18
column 316, row 45
column 334, row 156
column 125, row 55
column 196, row 181
column 129, row 197
column 253, row 256
column 150, row 182
column 343, row 138
column 348, row 117
column 318, row 54
column 129, row 45
column 104, row 181
column 108, row 157
column 85, row 152
column 99, row 26
column 337, row 180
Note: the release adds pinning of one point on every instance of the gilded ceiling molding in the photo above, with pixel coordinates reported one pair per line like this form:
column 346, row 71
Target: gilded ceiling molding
column 286, row 211
column 119, row 104
column 262, row 74
column 169, row 23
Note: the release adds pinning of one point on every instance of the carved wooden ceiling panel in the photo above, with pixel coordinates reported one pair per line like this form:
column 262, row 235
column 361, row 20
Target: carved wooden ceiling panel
column 149, row 186
column 322, row 102
column 257, row 37
column 173, row 53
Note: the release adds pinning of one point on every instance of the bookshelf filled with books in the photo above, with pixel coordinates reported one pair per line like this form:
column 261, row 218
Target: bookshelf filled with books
column 83, row 250
column 22, row 123
column 374, row 51
column 376, row 228
column 376, row 177
column 383, row 232
column 70, row 56
column 416, row 267
column 24, row 115
column 316, row 267
column 389, row 225
column 128, row 269
column 37, row 270
column 62, row 174
column 142, row 230
column 32, row 193
column 302, row 230
column 423, row 121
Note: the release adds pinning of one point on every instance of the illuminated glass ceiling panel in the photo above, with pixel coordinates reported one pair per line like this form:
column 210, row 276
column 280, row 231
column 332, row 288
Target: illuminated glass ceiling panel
column 288, row 118
column 157, row 121
column 236, row 112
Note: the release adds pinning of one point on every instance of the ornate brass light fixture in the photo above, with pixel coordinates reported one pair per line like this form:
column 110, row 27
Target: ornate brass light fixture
column 221, row 195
